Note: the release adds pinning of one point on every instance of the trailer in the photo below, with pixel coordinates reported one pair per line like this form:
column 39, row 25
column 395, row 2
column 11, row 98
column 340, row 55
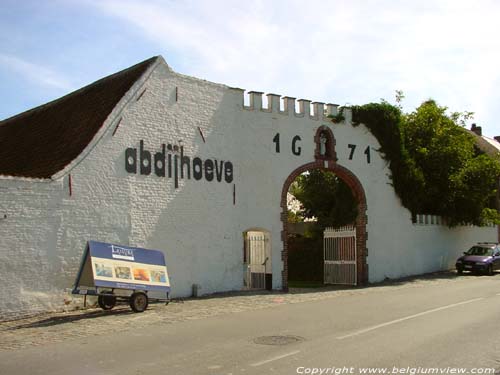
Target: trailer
column 122, row 274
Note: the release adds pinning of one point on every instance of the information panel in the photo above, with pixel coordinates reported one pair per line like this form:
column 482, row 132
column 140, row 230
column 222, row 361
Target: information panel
column 118, row 266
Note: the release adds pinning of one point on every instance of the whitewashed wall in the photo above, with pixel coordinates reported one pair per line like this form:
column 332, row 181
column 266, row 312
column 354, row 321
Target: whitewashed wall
column 197, row 225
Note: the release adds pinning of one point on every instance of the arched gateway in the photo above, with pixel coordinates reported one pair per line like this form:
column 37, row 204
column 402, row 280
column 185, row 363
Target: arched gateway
column 326, row 158
column 361, row 219
column 151, row 158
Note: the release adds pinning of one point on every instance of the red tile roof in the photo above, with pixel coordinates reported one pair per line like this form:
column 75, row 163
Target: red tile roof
column 40, row 142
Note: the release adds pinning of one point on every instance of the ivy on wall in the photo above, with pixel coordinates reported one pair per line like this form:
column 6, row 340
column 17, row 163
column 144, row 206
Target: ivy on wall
column 435, row 165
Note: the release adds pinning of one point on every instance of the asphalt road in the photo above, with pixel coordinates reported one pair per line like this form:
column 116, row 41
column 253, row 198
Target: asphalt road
column 433, row 327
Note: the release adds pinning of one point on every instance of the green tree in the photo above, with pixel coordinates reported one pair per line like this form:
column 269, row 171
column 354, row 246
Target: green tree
column 326, row 197
column 459, row 182
column 436, row 167
column 440, row 149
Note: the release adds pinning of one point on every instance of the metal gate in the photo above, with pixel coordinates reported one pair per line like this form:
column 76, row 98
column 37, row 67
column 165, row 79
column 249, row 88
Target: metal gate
column 257, row 259
column 339, row 246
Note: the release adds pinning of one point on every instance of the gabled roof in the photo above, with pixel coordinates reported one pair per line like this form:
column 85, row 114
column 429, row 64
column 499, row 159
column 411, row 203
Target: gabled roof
column 40, row 142
column 487, row 145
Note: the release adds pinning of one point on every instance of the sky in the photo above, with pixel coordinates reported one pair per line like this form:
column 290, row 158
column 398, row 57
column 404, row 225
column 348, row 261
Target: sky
column 333, row 51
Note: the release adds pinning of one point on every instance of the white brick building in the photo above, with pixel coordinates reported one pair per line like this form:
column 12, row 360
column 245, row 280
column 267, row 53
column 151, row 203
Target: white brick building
column 152, row 158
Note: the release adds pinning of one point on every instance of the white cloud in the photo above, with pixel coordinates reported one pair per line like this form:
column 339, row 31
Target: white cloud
column 338, row 51
column 35, row 73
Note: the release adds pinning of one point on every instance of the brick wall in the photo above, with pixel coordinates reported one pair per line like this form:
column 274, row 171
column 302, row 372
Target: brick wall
column 199, row 224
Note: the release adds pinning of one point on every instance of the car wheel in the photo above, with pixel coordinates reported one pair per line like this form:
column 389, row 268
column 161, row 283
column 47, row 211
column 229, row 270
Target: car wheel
column 460, row 270
column 490, row 270
column 139, row 301
column 106, row 302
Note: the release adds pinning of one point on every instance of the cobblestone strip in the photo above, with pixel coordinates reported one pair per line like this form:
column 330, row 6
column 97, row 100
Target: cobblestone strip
column 58, row 327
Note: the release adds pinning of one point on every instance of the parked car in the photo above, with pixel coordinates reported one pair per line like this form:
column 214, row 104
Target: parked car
column 483, row 257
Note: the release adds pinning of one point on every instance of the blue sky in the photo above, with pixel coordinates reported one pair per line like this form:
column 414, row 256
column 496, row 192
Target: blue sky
column 345, row 52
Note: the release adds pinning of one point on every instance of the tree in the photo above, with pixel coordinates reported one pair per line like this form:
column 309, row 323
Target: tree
column 436, row 167
column 326, row 197
column 459, row 181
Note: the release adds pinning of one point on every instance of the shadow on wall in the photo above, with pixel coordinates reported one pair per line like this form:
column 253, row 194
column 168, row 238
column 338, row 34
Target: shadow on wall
column 194, row 221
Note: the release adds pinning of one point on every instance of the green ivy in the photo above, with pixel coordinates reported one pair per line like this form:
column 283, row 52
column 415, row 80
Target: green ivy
column 435, row 167
column 338, row 118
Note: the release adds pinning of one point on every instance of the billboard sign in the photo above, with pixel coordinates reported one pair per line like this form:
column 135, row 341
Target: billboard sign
column 116, row 266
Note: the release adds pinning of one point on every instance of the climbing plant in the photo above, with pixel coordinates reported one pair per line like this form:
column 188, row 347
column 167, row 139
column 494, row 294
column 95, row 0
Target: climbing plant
column 435, row 165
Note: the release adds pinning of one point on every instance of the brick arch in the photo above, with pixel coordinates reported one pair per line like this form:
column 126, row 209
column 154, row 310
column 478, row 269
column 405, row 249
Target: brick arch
column 361, row 220
column 330, row 144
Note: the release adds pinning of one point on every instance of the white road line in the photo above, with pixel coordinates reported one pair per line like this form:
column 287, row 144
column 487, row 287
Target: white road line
column 360, row 332
column 274, row 359
column 498, row 294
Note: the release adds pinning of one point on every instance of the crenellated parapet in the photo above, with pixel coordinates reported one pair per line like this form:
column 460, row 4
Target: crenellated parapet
column 306, row 108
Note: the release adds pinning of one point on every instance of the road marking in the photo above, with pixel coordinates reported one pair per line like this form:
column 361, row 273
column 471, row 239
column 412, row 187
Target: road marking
column 274, row 359
column 214, row 367
column 360, row 332
column 498, row 294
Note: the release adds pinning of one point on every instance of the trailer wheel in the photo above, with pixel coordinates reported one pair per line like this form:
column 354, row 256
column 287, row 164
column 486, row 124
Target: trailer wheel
column 139, row 301
column 106, row 302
